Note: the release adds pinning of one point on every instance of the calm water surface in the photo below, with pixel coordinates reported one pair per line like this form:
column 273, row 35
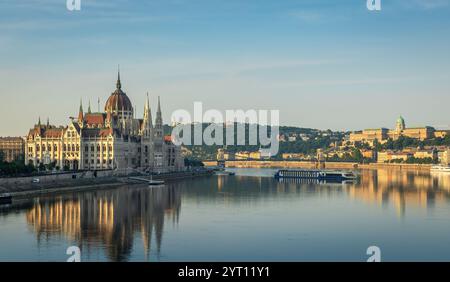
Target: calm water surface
column 247, row 217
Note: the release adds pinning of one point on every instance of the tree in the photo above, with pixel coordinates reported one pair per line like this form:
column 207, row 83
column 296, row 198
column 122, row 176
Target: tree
column 15, row 168
column 193, row 163
column 51, row 166
column 377, row 145
column 357, row 155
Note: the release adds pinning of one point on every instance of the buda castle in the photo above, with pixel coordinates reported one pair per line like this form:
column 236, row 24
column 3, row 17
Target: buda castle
column 113, row 139
column 384, row 134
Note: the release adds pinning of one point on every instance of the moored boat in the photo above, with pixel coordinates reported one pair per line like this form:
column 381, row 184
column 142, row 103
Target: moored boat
column 152, row 182
column 315, row 174
column 440, row 168
column 225, row 173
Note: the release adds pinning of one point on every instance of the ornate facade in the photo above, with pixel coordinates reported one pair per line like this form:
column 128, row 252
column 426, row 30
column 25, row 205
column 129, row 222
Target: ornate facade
column 12, row 148
column 113, row 139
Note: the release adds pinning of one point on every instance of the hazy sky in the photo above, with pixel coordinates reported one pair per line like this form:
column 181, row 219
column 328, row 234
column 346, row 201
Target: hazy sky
column 323, row 64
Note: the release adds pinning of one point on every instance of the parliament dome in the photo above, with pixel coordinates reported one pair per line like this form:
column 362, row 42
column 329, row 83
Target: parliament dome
column 118, row 100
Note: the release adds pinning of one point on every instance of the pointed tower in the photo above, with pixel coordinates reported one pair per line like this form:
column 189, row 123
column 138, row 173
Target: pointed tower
column 80, row 114
column 80, row 111
column 89, row 107
column 147, row 121
column 146, row 130
column 118, row 84
column 48, row 122
column 158, row 141
column 159, row 122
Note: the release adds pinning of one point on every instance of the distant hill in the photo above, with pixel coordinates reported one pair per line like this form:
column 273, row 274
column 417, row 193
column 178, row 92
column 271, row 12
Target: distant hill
column 292, row 140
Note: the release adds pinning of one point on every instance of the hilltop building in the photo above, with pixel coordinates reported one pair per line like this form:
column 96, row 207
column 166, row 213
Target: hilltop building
column 383, row 134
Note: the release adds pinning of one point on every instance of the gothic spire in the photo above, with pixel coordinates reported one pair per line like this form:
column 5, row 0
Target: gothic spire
column 158, row 121
column 81, row 106
column 118, row 84
column 80, row 113
column 89, row 107
column 159, row 114
column 147, row 113
column 159, row 107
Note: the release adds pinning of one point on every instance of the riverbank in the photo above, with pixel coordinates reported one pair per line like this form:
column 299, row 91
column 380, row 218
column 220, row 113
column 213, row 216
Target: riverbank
column 20, row 190
column 312, row 165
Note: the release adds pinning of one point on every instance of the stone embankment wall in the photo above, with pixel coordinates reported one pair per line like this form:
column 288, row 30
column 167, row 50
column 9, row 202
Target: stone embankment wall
column 52, row 177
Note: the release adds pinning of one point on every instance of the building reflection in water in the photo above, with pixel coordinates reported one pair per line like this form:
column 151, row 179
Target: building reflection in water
column 116, row 220
column 109, row 218
column 384, row 187
column 402, row 188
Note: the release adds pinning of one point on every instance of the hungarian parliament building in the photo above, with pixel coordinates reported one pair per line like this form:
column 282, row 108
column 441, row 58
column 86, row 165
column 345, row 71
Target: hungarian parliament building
column 113, row 139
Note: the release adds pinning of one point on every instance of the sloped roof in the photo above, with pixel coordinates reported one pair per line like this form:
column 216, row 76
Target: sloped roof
column 97, row 132
column 46, row 131
column 95, row 118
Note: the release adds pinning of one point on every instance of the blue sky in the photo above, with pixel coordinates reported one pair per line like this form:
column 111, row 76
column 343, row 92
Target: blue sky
column 323, row 64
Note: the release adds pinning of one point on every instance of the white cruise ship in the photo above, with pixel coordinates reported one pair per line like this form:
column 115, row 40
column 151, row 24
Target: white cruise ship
column 440, row 168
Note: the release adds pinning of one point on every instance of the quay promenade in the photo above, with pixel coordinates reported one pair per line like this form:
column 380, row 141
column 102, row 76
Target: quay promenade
column 23, row 187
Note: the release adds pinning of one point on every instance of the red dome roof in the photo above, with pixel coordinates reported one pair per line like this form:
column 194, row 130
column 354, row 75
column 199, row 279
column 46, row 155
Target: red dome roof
column 118, row 100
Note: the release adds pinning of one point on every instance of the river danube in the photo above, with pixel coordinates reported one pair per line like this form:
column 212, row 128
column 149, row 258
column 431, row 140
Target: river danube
column 246, row 217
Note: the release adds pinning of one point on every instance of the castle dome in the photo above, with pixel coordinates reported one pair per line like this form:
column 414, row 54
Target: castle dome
column 118, row 100
column 400, row 124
